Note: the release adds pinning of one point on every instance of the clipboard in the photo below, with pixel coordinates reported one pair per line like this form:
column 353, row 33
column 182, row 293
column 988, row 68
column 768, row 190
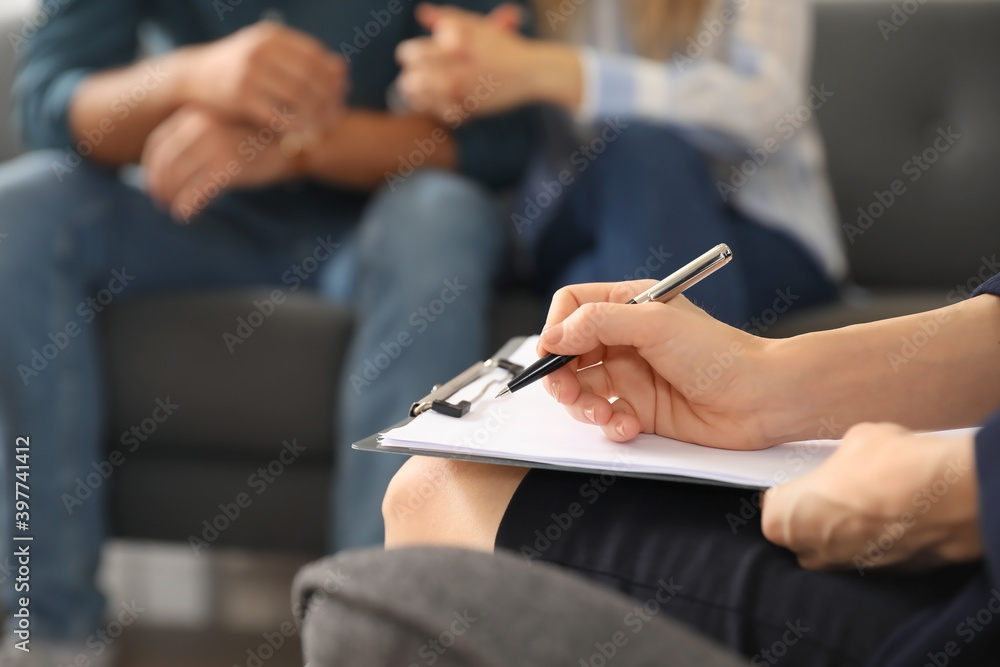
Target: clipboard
column 437, row 400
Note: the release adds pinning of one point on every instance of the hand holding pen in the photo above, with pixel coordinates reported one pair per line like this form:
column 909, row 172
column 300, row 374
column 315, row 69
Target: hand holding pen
column 669, row 369
column 665, row 290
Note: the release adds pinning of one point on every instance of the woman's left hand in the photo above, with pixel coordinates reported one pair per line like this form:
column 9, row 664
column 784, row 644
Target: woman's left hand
column 887, row 496
column 470, row 65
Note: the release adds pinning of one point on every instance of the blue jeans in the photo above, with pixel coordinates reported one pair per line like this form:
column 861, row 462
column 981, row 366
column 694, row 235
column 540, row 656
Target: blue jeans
column 62, row 243
column 645, row 206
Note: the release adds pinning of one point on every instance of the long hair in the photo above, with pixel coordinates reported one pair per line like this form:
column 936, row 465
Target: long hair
column 657, row 27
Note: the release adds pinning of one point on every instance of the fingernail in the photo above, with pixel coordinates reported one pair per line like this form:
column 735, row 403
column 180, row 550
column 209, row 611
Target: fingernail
column 620, row 429
column 553, row 334
column 555, row 391
column 589, row 414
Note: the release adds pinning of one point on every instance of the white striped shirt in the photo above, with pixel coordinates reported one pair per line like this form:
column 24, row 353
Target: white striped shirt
column 739, row 91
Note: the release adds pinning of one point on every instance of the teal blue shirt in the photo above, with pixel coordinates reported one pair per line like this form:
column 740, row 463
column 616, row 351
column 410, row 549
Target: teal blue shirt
column 87, row 36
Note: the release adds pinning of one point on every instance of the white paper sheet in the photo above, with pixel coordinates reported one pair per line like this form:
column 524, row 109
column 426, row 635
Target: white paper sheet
column 530, row 426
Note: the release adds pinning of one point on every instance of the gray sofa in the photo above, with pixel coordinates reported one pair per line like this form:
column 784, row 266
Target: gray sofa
column 891, row 98
column 455, row 608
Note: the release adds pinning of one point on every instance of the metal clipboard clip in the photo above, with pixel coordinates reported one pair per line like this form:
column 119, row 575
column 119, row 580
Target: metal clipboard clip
column 437, row 400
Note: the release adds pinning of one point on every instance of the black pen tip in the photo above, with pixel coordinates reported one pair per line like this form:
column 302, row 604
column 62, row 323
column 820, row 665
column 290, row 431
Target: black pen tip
column 505, row 390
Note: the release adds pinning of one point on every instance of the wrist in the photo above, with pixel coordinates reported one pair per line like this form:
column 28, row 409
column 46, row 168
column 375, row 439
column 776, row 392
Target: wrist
column 554, row 74
column 182, row 66
column 959, row 539
column 793, row 404
column 316, row 154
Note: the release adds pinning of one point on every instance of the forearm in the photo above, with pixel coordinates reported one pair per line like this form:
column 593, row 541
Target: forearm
column 928, row 371
column 553, row 74
column 115, row 111
column 365, row 148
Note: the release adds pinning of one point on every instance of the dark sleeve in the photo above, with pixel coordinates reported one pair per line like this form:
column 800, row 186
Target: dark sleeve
column 495, row 149
column 988, row 473
column 991, row 286
column 78, row 39
column 988, row 470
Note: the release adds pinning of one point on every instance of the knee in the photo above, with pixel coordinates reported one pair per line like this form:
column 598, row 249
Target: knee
column 413, row 500
column 46, row 172
column 657, row 151
column 432, row 213
column 41, row 196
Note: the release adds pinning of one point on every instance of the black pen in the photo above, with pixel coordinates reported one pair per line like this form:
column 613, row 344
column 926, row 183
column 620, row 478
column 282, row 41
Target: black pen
column 663, row 291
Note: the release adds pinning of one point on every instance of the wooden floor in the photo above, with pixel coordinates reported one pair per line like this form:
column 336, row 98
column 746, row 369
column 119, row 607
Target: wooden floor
column 153, row 647
column 202, row 612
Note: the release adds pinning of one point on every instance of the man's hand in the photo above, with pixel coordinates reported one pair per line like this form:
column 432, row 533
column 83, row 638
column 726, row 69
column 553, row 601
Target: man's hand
column 194, row 155
column 669, row 369
column 469, row 54
column 887, row 496
column 245, row 76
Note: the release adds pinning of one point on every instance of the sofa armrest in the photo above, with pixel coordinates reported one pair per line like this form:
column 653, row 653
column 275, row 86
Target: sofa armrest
column 463, row 609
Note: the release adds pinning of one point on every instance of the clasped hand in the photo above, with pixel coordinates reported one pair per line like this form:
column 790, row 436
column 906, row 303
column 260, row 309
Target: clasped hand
column 241, row 96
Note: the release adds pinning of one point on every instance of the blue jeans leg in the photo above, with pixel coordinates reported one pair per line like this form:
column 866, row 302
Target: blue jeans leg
column 426, row 256
column 62, row 242
column 648, row 205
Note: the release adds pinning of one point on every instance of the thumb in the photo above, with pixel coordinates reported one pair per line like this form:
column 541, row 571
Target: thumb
column 507, row 16
column 776, row 512
column 430, row 16
column 597, row 323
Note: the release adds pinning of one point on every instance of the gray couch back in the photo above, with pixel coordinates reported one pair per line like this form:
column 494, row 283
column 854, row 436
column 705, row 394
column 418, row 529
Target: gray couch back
column 896, row 93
